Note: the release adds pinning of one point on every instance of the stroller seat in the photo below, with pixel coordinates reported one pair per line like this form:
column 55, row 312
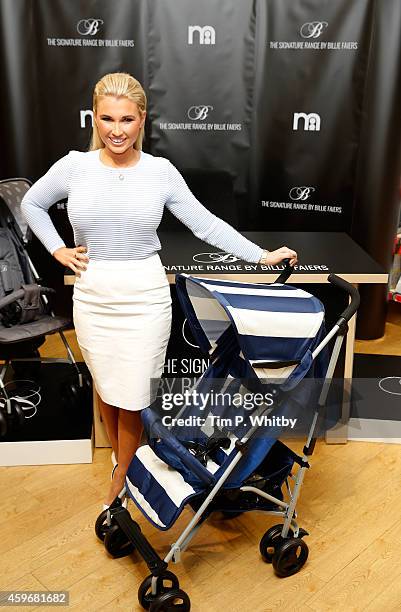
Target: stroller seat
column 26, row 331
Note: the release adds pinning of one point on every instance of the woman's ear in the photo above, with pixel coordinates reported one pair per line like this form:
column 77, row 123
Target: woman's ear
column 143, row 117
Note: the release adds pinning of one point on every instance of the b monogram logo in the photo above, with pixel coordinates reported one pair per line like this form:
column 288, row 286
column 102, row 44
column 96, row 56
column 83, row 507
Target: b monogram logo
column 313, row 29
column 301, row 193
column 199, row 112
column 215, row 258
column 89, row 27
column 185, row 338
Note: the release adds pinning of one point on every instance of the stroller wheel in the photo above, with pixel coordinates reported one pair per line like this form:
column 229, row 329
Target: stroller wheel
column 117, row 543
column 145, row 596
column 173, row 600
column 87, row 382
column 290, row 556
column 271, row 540
column 101, row 526
column 70, row 394
column 18, row 414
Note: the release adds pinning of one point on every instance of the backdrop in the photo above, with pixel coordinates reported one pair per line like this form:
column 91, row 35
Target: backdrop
column 297, row 101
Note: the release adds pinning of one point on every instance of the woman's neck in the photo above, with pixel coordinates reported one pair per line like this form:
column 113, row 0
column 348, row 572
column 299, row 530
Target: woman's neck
column 123, row 160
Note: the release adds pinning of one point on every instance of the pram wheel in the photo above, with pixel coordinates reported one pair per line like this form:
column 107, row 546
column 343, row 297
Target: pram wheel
column 173, row 600
column 145, row 596
column 19, row 413
column 101, row 526
column 74, row 395
column 290, row 556
column 117, row 543
column 271, row 540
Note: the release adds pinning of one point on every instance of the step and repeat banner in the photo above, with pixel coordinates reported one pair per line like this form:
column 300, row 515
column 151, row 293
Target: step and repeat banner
column 296, row 102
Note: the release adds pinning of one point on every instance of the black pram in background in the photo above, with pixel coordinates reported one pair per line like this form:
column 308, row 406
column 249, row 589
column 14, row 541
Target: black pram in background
column 25, row 314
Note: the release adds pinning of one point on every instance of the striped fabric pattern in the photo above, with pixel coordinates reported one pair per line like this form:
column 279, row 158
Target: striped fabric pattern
column 158, row 491
column 273, row 322
column 115, row 212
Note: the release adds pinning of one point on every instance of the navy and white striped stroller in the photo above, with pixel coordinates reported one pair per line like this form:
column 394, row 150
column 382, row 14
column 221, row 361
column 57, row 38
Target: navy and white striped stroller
column 224, row 456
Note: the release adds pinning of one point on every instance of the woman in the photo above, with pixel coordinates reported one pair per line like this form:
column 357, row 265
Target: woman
column 122, row 305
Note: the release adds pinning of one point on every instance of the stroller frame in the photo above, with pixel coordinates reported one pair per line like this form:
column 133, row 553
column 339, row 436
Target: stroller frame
column 122, row 535
column 83, row 383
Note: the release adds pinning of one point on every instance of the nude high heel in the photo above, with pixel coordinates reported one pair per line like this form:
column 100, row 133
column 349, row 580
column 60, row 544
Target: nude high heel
column 122, row 493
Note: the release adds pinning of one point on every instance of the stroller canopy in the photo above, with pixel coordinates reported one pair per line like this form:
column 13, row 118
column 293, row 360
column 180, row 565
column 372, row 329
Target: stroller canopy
column 275, row 325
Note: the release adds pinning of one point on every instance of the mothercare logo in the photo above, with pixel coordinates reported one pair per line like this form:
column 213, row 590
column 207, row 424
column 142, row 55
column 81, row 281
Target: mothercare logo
column 83, row 114
column 198, row 115
column 203, row 35
column 311, row 36
column 310, row 122
column 299, row 196
column 89, row 27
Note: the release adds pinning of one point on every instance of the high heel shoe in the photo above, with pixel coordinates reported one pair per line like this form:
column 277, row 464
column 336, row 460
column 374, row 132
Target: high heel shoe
column 121, row 494
column 124, row 502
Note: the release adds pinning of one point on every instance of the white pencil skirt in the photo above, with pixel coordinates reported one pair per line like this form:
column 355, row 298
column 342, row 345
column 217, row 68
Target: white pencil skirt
column 122, row 319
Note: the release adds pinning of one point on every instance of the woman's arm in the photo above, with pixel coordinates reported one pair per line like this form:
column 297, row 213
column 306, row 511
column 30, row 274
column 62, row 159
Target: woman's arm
column 47, row 190
column 213, row 230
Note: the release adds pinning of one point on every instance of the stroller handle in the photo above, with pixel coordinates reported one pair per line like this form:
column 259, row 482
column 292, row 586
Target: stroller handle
column 352, row 292
column 286, row 273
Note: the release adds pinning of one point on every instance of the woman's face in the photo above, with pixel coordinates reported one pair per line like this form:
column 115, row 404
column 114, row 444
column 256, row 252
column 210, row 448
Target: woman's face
column 118, row 121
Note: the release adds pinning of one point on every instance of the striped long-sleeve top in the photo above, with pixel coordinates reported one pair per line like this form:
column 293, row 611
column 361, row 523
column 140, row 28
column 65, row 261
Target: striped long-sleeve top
column 115, row 212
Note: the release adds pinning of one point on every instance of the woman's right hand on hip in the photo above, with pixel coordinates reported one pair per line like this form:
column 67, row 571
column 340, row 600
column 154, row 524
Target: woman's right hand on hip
column 72, row 258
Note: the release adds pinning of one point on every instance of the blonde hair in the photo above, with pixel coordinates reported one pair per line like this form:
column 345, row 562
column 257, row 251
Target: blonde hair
column 118, row 84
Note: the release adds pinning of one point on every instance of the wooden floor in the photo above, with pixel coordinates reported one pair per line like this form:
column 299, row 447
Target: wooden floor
column 350, row 504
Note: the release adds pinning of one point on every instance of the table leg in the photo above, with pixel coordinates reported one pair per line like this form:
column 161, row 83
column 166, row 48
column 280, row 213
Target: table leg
column 339, row 433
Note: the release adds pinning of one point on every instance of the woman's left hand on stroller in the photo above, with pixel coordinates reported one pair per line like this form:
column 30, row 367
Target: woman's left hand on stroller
column 277, row 256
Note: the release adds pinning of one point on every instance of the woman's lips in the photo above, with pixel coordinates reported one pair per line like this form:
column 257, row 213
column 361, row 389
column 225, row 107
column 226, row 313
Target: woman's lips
column 117, row 142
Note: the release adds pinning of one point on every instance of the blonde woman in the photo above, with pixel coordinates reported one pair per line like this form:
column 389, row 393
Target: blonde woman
column 121, row 302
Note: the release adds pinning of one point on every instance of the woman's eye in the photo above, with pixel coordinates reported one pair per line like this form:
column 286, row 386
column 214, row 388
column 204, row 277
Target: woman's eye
column 108, row 119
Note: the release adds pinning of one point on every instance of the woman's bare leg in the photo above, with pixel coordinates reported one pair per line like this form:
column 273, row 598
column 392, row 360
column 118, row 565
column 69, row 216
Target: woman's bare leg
column 129, row 437
column 109, row 416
